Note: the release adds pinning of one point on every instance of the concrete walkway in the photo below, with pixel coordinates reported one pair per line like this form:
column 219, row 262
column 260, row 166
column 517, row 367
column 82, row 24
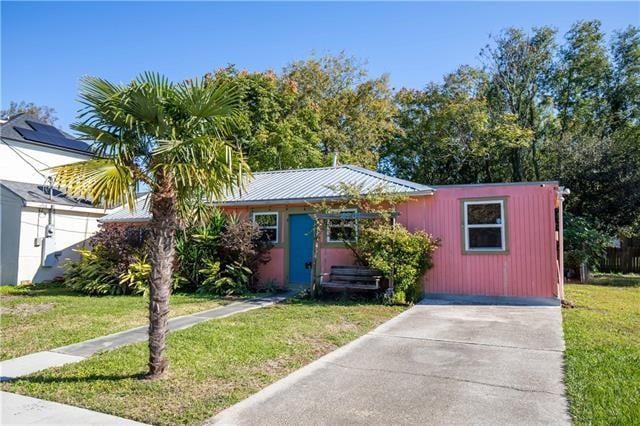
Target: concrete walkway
column 441, row 362
column 31, row 363
column 24, row 410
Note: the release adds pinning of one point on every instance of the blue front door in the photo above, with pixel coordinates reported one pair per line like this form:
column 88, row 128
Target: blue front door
column 300, row 248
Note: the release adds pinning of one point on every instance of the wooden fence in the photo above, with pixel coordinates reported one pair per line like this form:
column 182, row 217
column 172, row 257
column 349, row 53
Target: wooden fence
column 623, row 260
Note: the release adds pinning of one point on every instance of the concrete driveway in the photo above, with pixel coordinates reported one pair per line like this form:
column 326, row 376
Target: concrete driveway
column 437, row 363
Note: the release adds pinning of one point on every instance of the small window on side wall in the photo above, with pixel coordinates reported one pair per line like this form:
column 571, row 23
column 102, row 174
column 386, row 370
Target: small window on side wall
column 343, row 229
column 484, row 226
column 268, row 224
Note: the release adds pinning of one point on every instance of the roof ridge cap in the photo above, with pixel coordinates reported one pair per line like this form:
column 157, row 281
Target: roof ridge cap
column 306, row 169
column 391, row 179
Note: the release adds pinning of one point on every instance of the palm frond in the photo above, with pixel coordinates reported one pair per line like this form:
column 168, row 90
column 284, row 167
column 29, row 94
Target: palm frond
column 101, row 180
column 108, row 143
column 95, row 91
column 211, row 166
column 159, row 82
column 211, row 104
column 100, row 98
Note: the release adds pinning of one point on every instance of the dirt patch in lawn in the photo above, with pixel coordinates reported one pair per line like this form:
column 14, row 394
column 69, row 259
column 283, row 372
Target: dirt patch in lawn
column 26, row 309
column 341, row 327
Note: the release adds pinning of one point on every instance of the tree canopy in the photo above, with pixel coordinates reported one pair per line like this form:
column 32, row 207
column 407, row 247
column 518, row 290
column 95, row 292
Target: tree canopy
column 40, row 112
column 310, row 111
column 538, row 109
column 541, row 106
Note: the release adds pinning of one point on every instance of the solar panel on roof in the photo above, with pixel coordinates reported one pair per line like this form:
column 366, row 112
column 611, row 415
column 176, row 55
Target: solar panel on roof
column 50, row 138
column 44, row 128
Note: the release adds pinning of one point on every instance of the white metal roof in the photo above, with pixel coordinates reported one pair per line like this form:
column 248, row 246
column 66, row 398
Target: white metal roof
column 317, row 184
column 140, row 212
column 287, row 186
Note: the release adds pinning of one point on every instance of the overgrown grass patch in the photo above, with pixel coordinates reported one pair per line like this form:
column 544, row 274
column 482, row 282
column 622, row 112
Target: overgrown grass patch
column 41, row 317
column 602, row 357
column 621, row 280
column 213, row 364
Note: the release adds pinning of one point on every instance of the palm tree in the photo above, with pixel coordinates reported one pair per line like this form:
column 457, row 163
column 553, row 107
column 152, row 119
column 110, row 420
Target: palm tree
column 171, row 138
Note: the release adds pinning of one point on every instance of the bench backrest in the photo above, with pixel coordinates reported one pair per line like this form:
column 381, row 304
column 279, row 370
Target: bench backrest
column 354, row 275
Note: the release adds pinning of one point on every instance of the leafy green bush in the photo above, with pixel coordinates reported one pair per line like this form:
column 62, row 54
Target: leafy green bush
column 399, row 254
column 197, row 246
column 583, row 243
column 97, row 275
column 222, row 257
column 136, row 277
column 91, row 274
column 219, row 258
column 233, row 279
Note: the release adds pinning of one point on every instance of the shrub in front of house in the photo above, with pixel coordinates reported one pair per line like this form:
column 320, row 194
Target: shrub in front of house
column 196, row 246
column 219, row 258
column 400, row 255
column 113, row 263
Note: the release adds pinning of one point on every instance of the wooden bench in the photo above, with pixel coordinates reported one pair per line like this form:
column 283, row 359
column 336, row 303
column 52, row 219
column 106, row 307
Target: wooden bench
column 351, row 277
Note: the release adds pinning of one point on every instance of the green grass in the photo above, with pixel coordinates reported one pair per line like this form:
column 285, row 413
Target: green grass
column 616, row 279
column 213, row 364
column 602, row 358
column 36, row 318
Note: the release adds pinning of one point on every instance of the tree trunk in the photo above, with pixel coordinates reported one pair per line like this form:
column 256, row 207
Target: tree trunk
column 162, row 250
column 516, row 165
column 487, row 168
column 534, row 159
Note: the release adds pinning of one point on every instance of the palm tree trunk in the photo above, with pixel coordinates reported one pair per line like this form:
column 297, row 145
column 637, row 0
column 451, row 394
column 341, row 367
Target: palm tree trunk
column 162, row 250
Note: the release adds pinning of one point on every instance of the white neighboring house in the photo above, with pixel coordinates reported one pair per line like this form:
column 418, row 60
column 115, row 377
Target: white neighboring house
column 39, row 224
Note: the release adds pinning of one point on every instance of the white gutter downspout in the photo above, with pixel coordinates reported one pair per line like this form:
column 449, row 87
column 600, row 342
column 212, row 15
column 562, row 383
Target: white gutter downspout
column 562, row 191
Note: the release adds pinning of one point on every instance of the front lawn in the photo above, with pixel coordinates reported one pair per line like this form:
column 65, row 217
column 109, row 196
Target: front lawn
column 602, row 357
column 213, row 364
column 37, row 318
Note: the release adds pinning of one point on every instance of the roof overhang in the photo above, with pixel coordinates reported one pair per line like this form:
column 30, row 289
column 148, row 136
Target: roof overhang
column 64, row 207
column 52, row 147
column 125, row 220
column 309, row 200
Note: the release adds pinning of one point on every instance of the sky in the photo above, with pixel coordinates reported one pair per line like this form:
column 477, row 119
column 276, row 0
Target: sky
column 47, row 47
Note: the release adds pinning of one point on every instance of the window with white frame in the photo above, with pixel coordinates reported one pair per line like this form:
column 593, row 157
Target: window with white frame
column 268, row 224
column 484, row 226
column 343, row 228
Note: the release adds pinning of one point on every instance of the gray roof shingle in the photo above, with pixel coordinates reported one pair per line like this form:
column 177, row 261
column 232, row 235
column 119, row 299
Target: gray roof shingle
column 39, row 193
column 286, row 186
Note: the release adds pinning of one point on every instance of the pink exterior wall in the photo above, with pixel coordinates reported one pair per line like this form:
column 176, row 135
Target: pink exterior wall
column 273, row 271
column 528, row 268
column 330, row 256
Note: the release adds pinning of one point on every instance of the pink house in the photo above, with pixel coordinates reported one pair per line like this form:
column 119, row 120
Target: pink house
column 496, row 239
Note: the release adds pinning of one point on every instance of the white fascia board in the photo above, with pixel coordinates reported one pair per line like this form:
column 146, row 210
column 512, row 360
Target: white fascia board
column 63, row 207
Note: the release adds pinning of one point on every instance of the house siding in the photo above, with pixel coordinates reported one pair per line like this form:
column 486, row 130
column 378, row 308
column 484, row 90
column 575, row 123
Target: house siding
column 10, row 209
column 72, row 230
column 528, row 268
column 15, row 168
